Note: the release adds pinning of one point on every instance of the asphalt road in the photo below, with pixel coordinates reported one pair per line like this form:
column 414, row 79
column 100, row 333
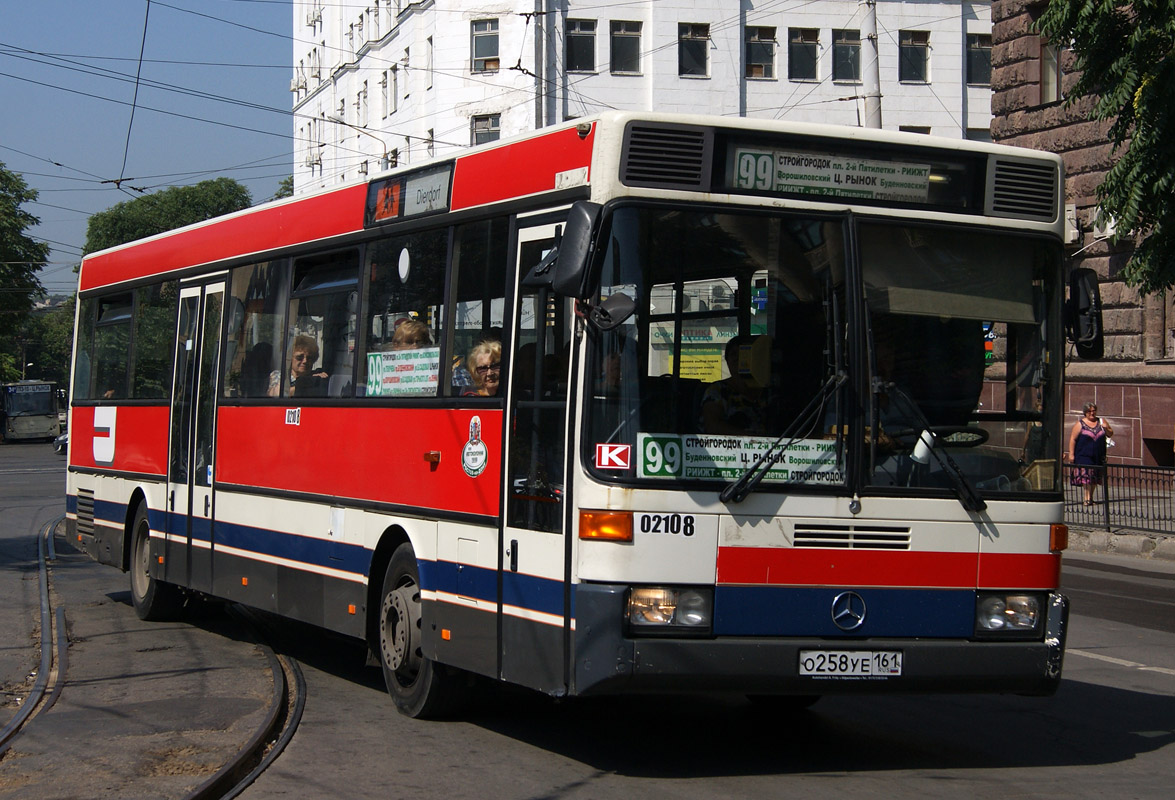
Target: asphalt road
column 148, row 710
column 1109, row 731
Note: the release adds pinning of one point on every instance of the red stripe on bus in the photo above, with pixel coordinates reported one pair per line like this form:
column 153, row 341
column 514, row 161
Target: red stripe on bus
column 1019, row 570
column 139, row 439
column 254, row 231
column 815, row 567
column 375, row 454
column 519, row 169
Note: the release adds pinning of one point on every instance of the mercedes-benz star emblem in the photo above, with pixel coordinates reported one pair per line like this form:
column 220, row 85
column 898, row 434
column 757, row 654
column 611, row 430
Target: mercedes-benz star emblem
column 848, row 611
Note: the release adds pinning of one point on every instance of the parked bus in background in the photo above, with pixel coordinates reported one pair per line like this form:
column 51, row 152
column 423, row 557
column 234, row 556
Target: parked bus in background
column 641, row 403
column 28, row 410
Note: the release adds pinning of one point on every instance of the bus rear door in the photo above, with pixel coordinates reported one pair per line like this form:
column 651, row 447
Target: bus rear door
column 188, row 551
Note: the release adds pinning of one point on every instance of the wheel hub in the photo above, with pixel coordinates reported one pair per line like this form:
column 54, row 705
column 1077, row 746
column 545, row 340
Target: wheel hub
column 400, row 631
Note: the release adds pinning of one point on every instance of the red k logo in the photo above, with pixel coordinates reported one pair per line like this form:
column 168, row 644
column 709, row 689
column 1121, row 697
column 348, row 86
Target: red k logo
column 613, row 456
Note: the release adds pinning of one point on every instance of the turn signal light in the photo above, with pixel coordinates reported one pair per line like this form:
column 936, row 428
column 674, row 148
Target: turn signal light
column 1058, row 537
column 611, row 526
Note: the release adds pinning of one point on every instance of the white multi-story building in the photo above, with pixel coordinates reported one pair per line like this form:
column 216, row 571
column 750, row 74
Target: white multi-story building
column 379, row 81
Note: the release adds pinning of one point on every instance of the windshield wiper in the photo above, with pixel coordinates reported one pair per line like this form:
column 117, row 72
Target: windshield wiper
column 746, row 483
column 964, row 490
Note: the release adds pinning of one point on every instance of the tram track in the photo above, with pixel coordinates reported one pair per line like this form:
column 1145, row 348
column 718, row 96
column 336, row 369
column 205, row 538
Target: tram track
column 263, row 747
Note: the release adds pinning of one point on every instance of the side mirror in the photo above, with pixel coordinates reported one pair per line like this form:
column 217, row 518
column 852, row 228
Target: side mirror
column 564, row 269
column 1083, row 318
column 612, row 311
column 570, row 275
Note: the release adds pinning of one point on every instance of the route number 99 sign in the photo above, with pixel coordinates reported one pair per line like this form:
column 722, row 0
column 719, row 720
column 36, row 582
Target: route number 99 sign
column 660, row 457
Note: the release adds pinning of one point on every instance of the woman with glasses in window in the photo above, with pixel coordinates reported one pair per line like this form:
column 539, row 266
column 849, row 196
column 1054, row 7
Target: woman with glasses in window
column 485, row 366
column 305, row 381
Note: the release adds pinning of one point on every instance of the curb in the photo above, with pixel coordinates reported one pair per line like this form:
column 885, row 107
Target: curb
column 1123, row 543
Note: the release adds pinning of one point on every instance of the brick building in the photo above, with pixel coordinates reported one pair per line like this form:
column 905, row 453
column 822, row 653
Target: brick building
column 1134, row 384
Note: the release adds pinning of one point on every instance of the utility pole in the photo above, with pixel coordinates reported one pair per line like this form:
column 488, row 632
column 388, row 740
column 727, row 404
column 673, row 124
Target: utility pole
column 870, row 69
column 539, row 89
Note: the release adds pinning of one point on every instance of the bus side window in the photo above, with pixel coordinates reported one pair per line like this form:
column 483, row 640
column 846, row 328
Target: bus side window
column 479, row 269
column 402, row 336
column 254, row 336
column 322, row 327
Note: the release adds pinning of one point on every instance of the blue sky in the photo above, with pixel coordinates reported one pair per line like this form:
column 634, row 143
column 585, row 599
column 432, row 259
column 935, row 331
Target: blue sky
column 213, row 100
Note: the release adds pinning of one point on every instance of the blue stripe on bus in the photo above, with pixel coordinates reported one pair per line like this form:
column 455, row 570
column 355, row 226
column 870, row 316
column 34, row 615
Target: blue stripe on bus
column 71, row 504
column 795, row 611
column 480, row 583
column 306, row 549
column 523, row 591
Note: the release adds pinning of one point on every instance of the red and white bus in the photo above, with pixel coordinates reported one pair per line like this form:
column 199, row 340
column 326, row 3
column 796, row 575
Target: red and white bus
column 642, row 403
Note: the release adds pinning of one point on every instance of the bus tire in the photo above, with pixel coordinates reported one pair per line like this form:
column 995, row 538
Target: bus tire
column 153, row 599
column 420, row 688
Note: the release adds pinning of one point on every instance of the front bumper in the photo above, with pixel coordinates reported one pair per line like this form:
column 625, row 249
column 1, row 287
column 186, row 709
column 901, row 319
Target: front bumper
column 609, row 662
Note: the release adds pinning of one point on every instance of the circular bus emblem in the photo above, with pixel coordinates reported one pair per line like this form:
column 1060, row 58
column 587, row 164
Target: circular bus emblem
column 475, row 455
column 848, row 611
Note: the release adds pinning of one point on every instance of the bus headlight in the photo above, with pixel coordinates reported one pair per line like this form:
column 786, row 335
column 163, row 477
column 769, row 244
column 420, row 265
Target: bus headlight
column 998, row 613
column 669, row 610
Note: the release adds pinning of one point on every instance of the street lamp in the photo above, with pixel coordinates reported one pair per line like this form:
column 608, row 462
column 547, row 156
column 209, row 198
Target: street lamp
column 383, row 159
column 22, row 369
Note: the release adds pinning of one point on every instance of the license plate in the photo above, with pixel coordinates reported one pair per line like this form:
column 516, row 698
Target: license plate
column 851, row 663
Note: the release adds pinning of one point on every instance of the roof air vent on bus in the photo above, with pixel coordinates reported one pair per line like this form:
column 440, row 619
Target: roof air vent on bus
column 1023, row 189
column 665, row 156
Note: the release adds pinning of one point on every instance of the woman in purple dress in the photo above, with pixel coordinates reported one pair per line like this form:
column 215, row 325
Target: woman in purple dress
column 1087, row 449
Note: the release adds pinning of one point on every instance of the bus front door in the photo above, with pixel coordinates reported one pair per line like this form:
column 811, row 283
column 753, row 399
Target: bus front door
column 188, row 550
column 534, row 613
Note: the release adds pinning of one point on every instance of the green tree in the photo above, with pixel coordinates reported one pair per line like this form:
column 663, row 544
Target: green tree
column 1125, row 53
column 48, row 337
column 20, row 259
column 285, row 188
column 164, row 211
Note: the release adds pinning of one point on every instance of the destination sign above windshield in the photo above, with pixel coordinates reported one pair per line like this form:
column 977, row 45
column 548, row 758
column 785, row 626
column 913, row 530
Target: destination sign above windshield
column 858, row 172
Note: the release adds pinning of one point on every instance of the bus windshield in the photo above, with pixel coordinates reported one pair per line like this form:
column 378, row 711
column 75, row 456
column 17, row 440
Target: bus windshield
column 30, row 400
column 745, row 341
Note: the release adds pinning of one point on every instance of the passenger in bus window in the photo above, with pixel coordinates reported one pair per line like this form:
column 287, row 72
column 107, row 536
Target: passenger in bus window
column 738, row 404
column 410, row 334
column 485, row 365
column 305, row 381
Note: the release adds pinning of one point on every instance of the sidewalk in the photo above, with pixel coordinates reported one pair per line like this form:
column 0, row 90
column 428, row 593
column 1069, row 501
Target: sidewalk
column 1123, row 541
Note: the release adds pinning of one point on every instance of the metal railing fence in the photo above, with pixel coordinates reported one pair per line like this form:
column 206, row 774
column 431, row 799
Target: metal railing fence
column 1124, row 496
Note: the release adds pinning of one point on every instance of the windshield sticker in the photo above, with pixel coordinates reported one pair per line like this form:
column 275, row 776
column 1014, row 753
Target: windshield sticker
column 726, row 458
column 614, row 456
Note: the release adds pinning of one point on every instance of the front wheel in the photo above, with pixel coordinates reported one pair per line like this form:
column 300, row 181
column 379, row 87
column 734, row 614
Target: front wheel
column 153, row 599
column 419, row 687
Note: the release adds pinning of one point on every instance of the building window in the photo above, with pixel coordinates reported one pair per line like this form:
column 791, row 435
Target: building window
column 760, row 52
column 581, row 45
column 913, row 56
column 428, row 63
column 486, row 128
column 979, row 134
column 846, row 55
column 1050, row 73
column 693, row 49
column 485, row 45
column 626, row 47
column 803, row 53
column 979, row 59
column 923, row 129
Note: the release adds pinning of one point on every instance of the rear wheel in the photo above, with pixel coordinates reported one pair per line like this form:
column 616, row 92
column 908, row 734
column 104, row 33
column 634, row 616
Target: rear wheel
column 419, row 687
column 153, row 599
